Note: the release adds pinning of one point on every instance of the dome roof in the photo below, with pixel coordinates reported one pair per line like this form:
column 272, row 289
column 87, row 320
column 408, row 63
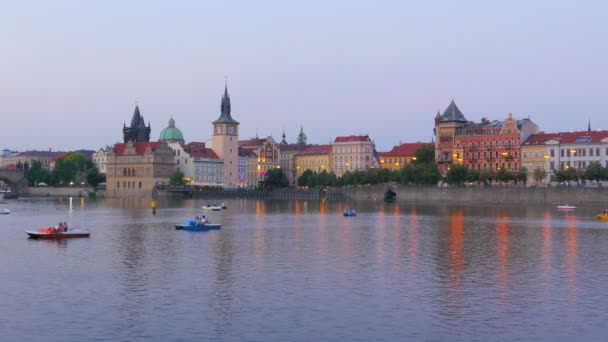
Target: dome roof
column 171, row 133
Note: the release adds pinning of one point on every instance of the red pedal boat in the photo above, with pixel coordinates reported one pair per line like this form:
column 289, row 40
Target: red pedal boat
column 57, row 233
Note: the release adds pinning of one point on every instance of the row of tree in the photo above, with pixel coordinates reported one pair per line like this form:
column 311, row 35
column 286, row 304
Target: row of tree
column 594, row 172
column 73, row 168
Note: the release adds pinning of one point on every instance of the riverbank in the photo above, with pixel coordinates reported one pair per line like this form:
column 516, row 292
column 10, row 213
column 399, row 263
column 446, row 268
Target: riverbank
column 414, row 194
column 63, row 192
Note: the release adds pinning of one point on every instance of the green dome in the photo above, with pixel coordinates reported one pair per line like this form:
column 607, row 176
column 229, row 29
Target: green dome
column 171, row 133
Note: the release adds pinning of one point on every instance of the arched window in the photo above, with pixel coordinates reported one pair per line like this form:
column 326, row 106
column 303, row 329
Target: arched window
column 124, row 172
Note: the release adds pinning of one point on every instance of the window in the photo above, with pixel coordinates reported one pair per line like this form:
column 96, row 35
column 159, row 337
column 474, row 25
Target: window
column 140, row 185
column 552, row 153
column 591, row 152
column 561, row 152
column 117, row 185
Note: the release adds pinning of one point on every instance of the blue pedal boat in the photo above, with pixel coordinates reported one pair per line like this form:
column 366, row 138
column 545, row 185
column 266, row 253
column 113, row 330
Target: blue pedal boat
column 194, row 226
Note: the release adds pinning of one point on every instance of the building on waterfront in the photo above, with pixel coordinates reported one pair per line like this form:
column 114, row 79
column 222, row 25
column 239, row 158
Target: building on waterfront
column 208, row 168
column 487, row 145
column 171, row 134
column 316, row 158
column 260, row 160
column 135, row 168
column 565, row 150
column 182, row 159
column 100, row 159
column 351, row 153
column 242, row 168
column 226, row 141
column 287, row 160
column 400, row 155
column 137, row 131
column 46, row 158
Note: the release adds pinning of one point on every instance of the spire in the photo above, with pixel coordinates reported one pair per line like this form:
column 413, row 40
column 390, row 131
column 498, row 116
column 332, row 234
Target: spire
column 302, row 137
column 453, row 113
column 136, row 117
column 225, row 116
column 171, row 122
column 589, row 126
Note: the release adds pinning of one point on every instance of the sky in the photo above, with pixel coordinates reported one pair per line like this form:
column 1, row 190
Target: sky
column 71, row 72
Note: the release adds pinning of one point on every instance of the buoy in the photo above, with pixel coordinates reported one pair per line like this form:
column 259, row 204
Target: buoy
column 153, row 205
column 82, row 201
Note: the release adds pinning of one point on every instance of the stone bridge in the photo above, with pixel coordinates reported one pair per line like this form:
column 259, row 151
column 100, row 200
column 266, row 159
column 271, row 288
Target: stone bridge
column 15, row 179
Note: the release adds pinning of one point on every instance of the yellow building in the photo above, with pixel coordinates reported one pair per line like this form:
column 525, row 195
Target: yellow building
column 315, row 158
column 534, row 156
column 400, row 155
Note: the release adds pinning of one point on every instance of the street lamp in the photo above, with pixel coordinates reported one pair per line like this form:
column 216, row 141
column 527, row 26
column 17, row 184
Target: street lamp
column 549, row 167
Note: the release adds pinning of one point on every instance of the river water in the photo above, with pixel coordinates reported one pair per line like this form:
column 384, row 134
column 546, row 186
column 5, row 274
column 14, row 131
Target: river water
column 297, row 270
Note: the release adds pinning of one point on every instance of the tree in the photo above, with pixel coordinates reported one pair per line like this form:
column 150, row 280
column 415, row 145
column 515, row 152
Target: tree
column 276, row 178
column 539, row 175
column 305, row 178
column 457, row 174
column 94, row 177
column 522, row 175
column 425, row 155
column 38, row 174
column 71, row 168
column 177, row 178
column 593, row 172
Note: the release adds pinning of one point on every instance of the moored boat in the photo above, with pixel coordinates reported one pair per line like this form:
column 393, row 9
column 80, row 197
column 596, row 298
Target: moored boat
column 212, row 207
column 52, row 233
column 566, row 207
column 5, row 211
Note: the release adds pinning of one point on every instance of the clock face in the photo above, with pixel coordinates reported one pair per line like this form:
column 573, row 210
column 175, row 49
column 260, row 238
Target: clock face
column 230, row 130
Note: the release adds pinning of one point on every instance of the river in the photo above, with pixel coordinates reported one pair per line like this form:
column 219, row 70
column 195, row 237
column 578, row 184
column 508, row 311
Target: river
column 300, row 271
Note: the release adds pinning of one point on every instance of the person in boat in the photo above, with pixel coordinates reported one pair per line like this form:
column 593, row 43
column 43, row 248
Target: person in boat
column 65, row 226
column 204, row 220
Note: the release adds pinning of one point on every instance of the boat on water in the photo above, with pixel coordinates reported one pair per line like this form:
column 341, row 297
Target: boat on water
column 197, row 226
column 5, row 211
column 350, row 212
column 212, row 207
column 566, row 207
column 54, row 233
column 603, row 216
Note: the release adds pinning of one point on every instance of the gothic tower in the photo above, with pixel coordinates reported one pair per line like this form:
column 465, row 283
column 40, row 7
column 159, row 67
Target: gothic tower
column 137, row 132
column 226, row 142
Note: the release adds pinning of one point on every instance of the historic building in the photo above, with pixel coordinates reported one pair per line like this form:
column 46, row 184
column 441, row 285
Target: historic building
column 287, row 160
column 242, row 168
column 46, row 158
column 400, row 155
column 171, row 134
column 183, row 160
column 316, row 158
column 100, row 158
column 487, row 145
column 350, row 153
column 207, row 165
column 226, row 142
column 135, row 168
column 564, row 150
column 137, row 131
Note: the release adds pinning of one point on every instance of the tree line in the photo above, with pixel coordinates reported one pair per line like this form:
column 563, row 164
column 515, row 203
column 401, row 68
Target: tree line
column 73, row 168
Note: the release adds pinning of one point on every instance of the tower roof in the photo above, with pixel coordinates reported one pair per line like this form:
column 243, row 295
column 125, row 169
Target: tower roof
column 225, row 116
column 171, row 133
column 136, row 118
column 453, row 113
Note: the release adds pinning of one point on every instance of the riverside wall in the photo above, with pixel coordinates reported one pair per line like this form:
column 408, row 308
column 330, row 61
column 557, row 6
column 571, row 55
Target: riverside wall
column 485, row 195
column 59, row 192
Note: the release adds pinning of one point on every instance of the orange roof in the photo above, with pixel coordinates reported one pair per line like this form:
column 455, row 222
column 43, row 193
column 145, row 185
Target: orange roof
column 407, row 149
column 140, row 147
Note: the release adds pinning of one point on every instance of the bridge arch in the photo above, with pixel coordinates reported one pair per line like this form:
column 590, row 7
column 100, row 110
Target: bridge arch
column 16, row 180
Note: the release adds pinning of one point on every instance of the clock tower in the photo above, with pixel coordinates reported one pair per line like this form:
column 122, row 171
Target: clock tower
column 226, row 142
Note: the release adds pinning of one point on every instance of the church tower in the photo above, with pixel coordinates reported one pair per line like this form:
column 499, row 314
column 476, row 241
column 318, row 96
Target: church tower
column 138, row 131
column 226, row 142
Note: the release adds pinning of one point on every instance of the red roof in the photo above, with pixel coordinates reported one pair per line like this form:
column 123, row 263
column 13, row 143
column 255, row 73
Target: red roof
column 583, row 137
column 316, row 150
column 140, row 147
column 407, row 149
column 351, row 138
column 252, row 142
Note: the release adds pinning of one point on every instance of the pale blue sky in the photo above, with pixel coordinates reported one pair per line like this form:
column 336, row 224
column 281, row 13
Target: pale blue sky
column 71, row 71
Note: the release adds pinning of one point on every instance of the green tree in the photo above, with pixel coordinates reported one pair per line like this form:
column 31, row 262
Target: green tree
column 473, row 176
column 305, row 178
column 522, row 175
column 276, row 178
column 425, row 155
column 177, row 178
column 72, row 167
column 38, row 174
column 594, row 171
column 539, row 175
column 457, row 174
column 94, row 177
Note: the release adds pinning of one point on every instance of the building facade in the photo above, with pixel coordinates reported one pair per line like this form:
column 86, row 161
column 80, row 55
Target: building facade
column 487, row 145
column 134, row 169
column 226, row 142
column 400, row 155
column 351, row 153
column 100, row 158
column 316, row 158
column 208, row 168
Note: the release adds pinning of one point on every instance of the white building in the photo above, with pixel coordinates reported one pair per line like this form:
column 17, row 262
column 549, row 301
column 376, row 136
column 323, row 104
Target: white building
column 100, row 159
column 355, row 152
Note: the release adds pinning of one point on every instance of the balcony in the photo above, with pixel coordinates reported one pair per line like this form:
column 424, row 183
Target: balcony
column 445, row 138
